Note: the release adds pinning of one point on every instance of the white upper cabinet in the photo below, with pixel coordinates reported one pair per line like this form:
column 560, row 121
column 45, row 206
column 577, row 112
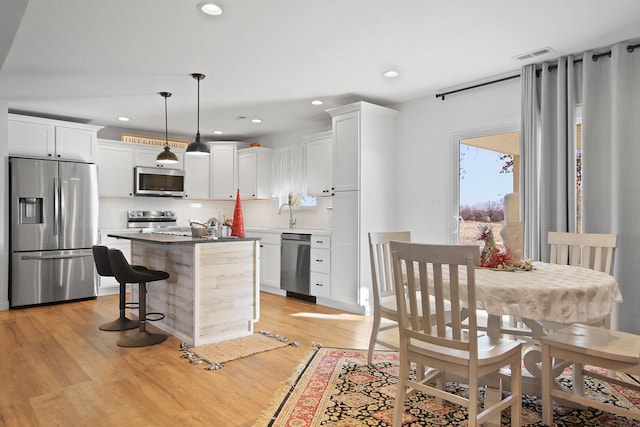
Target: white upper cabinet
column 196, row 177
column 320, row 164
column 115, row 169
column 346, row 169
column 54, row 139
column 146, row 156
column 224, row 175
column 254, row 173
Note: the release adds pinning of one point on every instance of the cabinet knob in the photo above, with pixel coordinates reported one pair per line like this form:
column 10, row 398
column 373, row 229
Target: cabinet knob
column 319, row 284
column 49, row 154
column 319, row 260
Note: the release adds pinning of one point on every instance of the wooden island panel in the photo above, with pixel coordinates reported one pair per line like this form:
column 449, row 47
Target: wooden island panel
column 228, row 295
column 212, row 293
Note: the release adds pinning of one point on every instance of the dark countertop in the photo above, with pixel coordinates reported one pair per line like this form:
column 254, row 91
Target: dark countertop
column 169, row 238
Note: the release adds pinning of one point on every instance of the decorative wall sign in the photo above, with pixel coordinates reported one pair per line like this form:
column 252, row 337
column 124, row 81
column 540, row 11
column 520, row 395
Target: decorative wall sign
column 150, row 140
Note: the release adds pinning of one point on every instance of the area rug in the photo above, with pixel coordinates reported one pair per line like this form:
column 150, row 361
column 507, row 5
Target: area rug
column 213, row 356
column 338, row 388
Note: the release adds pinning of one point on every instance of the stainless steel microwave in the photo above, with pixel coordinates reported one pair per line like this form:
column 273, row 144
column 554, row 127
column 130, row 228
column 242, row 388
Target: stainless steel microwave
column 159, row 182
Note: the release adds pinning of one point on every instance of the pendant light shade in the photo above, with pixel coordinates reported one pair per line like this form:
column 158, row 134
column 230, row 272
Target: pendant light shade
column 166, row 156
column 198, row 147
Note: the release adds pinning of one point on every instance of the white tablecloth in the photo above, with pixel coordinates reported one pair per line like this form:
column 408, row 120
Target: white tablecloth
column 551, row 292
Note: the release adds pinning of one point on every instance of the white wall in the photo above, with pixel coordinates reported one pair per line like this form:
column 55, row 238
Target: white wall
column 427, row 155
column 4, row 202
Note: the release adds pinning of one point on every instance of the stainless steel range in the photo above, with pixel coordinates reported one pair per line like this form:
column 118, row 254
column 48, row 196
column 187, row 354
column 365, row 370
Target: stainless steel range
column 151, row 219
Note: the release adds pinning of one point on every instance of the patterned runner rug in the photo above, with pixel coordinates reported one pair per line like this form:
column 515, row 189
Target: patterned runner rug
column 338, row 388
column 215, row 355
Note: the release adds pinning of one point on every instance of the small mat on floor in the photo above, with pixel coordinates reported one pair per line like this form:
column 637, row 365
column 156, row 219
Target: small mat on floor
column 338, row 388
column 216, row 354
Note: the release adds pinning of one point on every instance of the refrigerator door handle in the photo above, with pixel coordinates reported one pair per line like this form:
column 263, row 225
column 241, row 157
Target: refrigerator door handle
column 46, row 257
column 61, row 209
column 56, row 202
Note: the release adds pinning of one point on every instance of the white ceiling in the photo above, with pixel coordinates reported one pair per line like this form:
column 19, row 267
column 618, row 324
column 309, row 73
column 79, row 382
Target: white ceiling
column 94, row 60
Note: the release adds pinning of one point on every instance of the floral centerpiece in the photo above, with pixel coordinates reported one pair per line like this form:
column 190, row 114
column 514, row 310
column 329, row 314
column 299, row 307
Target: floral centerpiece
column 493, row 256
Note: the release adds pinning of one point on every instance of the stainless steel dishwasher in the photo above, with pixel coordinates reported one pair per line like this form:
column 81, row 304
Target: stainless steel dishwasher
column 295, row 263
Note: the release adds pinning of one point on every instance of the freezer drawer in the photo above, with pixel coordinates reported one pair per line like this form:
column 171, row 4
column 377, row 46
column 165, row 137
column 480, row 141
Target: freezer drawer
column 51, row 276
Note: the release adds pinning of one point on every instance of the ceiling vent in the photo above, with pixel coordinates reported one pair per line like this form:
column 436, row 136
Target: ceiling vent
column 534, row 54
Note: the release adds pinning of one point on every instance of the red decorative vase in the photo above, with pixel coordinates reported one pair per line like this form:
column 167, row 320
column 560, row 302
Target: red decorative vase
column 237, row 229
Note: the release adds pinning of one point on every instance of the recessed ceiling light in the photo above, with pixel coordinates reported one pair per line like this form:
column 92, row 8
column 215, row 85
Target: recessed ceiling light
column 317, row 102
column 391, row 73
column 256, row 121
column 123, row 119
column 217, row 132
column 210, row 9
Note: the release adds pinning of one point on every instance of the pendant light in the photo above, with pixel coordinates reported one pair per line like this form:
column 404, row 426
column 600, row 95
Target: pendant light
column 166, row 156
column 198, row 147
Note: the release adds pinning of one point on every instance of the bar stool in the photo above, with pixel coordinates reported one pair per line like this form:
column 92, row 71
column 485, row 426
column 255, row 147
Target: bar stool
column 125, row 273
column 122, row 323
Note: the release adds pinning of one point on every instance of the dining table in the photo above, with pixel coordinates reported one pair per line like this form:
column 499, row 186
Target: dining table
column 528, row 304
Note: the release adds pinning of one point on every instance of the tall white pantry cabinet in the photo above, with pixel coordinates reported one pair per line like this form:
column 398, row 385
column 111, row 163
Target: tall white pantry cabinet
column 364, row 200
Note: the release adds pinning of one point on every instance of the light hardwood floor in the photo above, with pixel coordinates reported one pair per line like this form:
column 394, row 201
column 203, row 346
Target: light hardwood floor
column 58, row 369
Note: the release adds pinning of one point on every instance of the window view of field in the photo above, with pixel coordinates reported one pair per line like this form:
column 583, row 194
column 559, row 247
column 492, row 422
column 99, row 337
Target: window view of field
column 486, row 177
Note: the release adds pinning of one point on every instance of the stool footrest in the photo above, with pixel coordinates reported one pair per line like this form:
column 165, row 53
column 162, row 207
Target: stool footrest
column 132, row 305
column 120, row 324
column 141, row 339
column 154, row 317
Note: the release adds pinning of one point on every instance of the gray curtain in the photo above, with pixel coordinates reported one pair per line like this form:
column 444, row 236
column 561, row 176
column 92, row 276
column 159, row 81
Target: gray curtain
column 549, row 151
column 611, row 177
column 529, row 170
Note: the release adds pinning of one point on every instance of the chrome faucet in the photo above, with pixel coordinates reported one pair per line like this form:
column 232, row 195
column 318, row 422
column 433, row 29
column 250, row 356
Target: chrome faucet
column 292, row 220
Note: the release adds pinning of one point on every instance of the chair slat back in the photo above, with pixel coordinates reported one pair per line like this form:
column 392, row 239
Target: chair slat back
column 442, row 273
column 588, row 250
column 381, row 263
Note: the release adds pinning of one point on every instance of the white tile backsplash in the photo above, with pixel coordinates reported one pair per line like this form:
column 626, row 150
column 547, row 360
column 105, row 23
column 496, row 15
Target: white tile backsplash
column 256, row 213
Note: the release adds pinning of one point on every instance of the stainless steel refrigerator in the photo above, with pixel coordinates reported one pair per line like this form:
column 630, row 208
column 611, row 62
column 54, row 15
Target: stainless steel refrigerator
column 54, row 223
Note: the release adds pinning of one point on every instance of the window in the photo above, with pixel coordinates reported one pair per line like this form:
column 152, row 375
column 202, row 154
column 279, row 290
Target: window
column 489, row 172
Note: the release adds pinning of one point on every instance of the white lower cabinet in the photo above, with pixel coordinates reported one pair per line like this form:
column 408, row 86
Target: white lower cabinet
column 320, row 269
column 270, row 265
column 269, row 260
column 109, row 285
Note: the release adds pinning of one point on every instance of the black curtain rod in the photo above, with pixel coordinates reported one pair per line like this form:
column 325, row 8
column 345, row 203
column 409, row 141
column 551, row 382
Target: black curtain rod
column 597, row 56
column 442, row 95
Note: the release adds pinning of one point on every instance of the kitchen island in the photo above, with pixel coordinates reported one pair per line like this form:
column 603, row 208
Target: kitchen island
column 213, row 291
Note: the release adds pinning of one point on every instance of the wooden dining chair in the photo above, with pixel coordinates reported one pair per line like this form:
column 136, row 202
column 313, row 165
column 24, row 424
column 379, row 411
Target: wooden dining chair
column 587, row 250
column 431, row 337
column 384, row 294
column 593, row 346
